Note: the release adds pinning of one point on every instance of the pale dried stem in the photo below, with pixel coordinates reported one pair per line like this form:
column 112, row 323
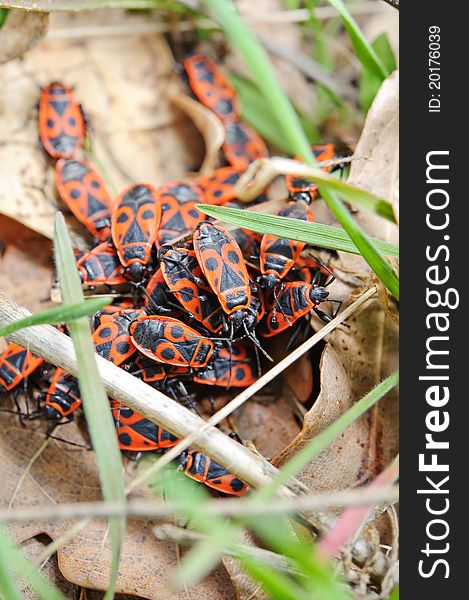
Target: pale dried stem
column 390, row 577
column 264, row 170
column 266, row 18
column 227, row 507
column 188, row 537
column 59, row 542
column 27, row 470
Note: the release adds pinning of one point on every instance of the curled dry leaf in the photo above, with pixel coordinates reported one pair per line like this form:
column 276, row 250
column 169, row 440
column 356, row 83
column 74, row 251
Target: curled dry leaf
column 136, row 134
column 32, row 549
column 376, row 167
column 357, row 358
column 207, row 123
column 21, row 31
column 353, row 362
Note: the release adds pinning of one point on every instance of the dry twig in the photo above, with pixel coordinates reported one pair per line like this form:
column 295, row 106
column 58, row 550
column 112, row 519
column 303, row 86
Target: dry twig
column 227, row 507
column 188, row 537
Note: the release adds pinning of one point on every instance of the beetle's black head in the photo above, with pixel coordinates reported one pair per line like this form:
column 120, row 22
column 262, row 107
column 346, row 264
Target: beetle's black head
column 318, row 294
column 51, row 413
column 268, row 281
column 182, row 459
column 303, row 196
column 237, row 318
column 137, row 272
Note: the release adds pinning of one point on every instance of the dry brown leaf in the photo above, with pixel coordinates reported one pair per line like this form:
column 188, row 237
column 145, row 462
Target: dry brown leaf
column 146, row 566
column 21, row 31
column 269, row 427
column 299, row 378
column 63, row 473
column 136, row 134
column 26, row 270
column 32, row 549
column 209, row 126
column 353, row 362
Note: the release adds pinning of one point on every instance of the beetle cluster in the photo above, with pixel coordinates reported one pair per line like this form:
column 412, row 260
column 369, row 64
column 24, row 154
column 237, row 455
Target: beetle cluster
column 193, row 301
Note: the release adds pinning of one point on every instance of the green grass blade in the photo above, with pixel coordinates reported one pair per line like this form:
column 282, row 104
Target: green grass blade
column 394, row 595
column 3, row 16
column 316, row 234
column 258, row 114
column 367, row 248
column 276, row 584
column 95, row 401
column 198, row 563
column 8, row 583
column 248, row 46
column 350, row 193
column 13, row 560
column 353, row 194
column 369, row 82
column 58, row 314
column 328, row 435
column 316, row 574
column 250, row 49
column 365, row 53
